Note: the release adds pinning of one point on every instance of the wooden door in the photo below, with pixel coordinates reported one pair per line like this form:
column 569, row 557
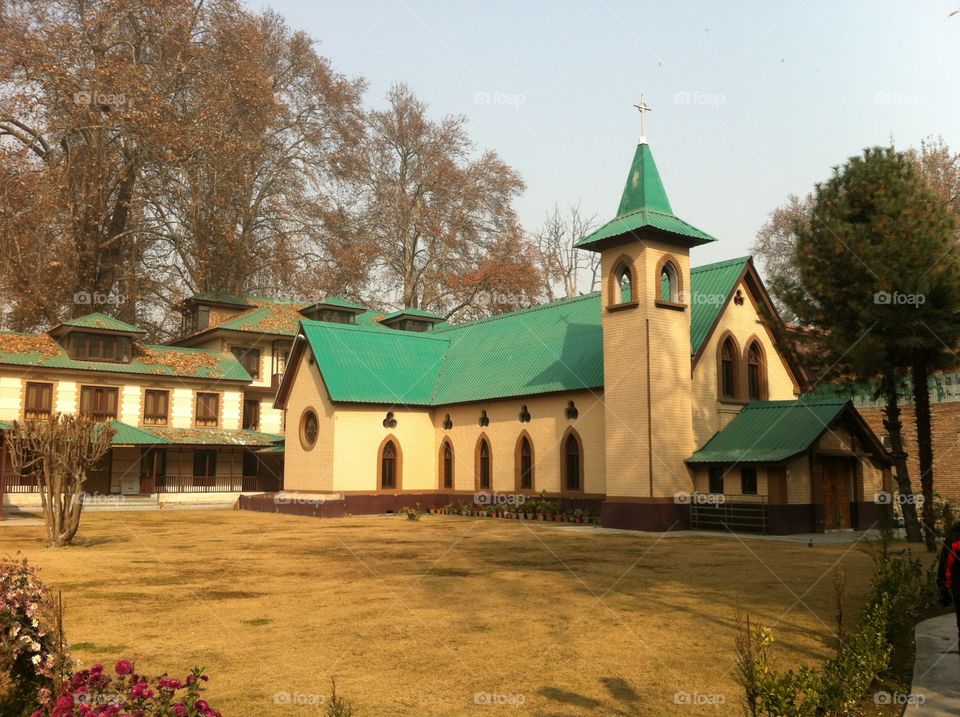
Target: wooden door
column 836, row 493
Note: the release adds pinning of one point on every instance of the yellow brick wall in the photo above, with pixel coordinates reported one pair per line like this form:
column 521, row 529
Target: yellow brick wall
column 709, row 413
column 308, row 469
column 629, row 433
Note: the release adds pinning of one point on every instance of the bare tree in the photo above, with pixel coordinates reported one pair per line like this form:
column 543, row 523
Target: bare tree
column 567, row 271
column 59, row 452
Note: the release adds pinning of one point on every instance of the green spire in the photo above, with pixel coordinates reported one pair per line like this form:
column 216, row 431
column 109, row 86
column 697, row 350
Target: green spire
column 644, row 190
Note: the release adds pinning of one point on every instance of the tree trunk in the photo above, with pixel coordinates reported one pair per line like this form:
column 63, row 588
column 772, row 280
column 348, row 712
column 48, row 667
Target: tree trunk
column 921, row 405
column 894, row 428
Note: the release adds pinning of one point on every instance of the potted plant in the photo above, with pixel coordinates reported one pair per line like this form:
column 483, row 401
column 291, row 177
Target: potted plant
column 578, row 515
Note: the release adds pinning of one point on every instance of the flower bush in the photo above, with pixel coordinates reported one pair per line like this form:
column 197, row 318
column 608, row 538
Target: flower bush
column 127, row 694
column 30, row 655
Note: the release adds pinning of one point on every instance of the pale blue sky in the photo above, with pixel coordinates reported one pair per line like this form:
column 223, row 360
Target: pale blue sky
column 751, row 100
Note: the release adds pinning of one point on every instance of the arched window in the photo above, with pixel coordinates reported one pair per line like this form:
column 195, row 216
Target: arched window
column 390, row 465
column 309, row 428
column 571, row 462
column 483, row 462
column 524, row 463
column 756, row 379
column 728, row 369
column 623, row 286
column 669, row 283
column 446, row 465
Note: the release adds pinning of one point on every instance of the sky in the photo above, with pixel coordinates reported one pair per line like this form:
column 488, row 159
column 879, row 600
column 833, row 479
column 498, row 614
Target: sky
column 750, row 101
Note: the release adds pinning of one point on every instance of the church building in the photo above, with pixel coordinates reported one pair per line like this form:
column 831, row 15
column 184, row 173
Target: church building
column 666, row 400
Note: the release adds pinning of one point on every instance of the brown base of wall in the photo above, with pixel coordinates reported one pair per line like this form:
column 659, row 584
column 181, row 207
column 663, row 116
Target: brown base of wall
column 792, row 519
column 656, row 517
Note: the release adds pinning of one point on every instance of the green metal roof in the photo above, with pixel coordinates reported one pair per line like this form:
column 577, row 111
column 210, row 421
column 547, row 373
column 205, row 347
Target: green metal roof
column 345, row 303
column 98, row 320
column 42, row 351
column 6, row 425
column 419, row 313
column 367, row 365
column 710, row 286
column 211, row 436
column 543, row 349
column 644, row 205
column 221, row 297
column 127, row 435
column 771, row 431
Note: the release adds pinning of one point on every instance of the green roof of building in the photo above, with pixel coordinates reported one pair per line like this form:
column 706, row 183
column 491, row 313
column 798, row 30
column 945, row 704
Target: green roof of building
column 543, row 349
column 42, row 351
column 345, row 303
column 644, row 205
column 212, row 436
column 127, row 435
column 710, row 286
column 420, row 313
column 771, row 431
column 6, row 425
column 98, row 320
column 221, row 297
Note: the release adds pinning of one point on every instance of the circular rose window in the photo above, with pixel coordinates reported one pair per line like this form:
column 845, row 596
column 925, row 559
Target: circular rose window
column 309, row 428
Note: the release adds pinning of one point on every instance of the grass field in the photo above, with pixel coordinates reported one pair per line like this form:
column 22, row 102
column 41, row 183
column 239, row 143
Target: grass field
column 416, row 618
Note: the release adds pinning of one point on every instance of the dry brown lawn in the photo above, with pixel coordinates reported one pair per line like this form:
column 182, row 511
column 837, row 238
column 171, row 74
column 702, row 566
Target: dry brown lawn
column 415, row 618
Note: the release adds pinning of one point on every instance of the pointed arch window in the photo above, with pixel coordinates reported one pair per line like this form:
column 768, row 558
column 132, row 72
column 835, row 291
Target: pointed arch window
column 669, row 283
column 390, row 465
column 446, row 466
column 728, row 369
column 483, row 462
column 571, row 462
column 756, row 376
column 524, row 463
column 623, row 285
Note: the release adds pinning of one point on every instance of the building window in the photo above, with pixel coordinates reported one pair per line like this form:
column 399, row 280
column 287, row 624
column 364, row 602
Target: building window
column 249, row 359
column 251, row 413
column 208, row 410
column 99, row 402
column 38, row 403
column 728, row 369
column 524, row 463
column 309, row 428
column 755, row 372
column 572, row 462
column 153, row 465
column 669, row 283
column 748, row 480
column 156, row 407
column 483, row 464
column 389, row 421
column 716, row 479
column 446, row 465
column 623, row 285
column 99, row 347
column 204, row 465
column 389, row 466
column 251, row 465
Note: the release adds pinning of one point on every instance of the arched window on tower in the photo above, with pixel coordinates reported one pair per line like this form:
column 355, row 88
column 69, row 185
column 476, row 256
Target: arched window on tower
column 446, row 465
column 756, row 375
column 623, row 286
column 669, row 283
column 483, row 465
column 571, row 457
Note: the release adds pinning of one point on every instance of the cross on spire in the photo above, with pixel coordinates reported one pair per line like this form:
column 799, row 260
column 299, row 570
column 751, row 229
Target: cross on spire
column 643, row 108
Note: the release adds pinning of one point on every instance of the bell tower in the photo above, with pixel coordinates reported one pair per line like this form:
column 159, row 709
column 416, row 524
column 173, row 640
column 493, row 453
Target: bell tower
column 645, row 263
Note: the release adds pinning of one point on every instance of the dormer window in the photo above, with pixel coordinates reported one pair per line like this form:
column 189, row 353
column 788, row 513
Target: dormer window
column 411, row 320
column 98, row 347
column 333, row 311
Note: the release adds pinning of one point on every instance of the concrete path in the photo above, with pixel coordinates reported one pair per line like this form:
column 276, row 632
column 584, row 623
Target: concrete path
column 936, row 672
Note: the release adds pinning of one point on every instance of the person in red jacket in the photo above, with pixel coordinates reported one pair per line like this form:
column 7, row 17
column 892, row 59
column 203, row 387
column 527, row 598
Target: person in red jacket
column 948, row 571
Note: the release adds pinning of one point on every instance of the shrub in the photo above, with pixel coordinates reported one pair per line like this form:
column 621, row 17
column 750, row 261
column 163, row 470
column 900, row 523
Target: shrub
column 900, row 591
column 30, row 653
column 94, row 692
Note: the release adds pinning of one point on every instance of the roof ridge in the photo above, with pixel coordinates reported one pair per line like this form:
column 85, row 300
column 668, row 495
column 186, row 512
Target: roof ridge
column 370, row 330
column 516, row 312
column 723, row 263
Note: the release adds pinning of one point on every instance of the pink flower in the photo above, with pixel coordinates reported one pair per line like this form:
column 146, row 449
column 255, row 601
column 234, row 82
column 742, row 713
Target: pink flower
column 180, row 711
column 124, row 667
